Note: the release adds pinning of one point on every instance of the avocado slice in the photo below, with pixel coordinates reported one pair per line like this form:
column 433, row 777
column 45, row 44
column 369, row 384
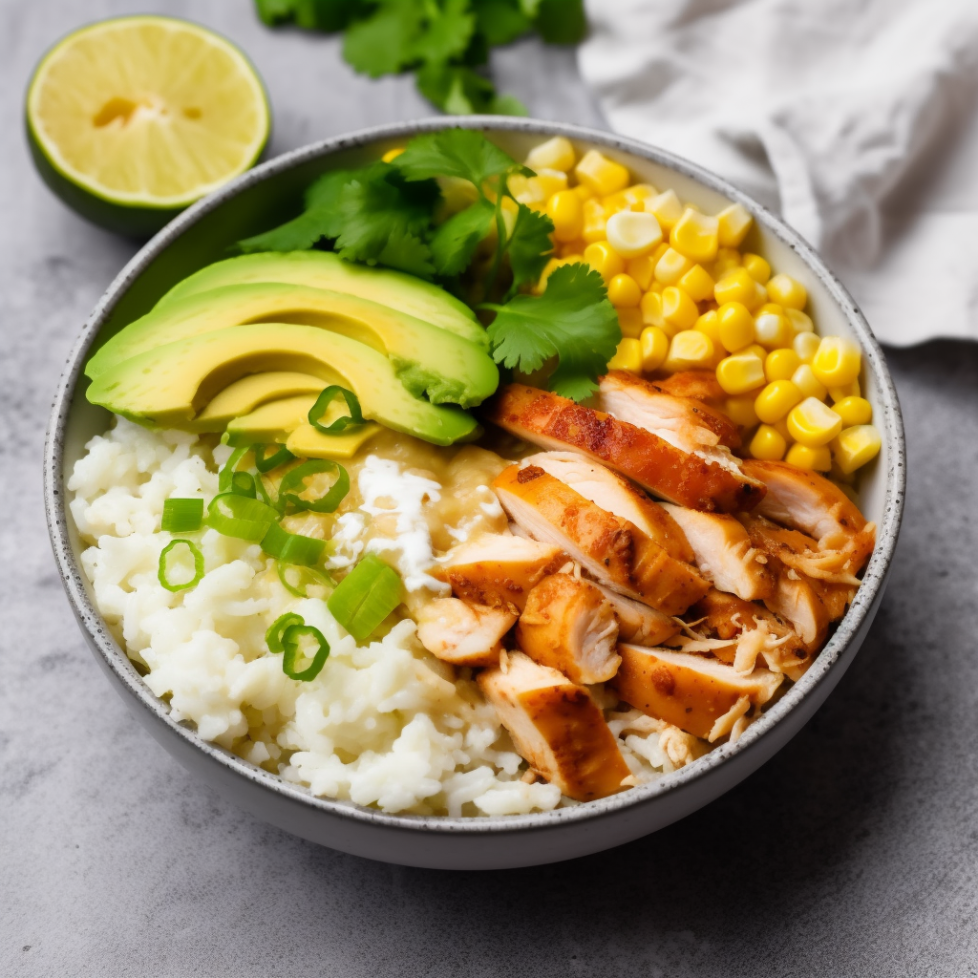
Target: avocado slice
column 279, row 420
column 429, row 361
column 169, row 386
column 325, row 270
column 243, row 396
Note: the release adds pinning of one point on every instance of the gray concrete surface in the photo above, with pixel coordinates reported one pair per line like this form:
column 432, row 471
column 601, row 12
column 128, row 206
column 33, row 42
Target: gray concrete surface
column 855, row 852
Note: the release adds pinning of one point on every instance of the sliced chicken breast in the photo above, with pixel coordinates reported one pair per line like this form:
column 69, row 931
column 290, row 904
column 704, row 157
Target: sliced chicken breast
column 614, row 551
column 463, row 634
column 796, row 599
column 556, row 727
column 617, row 495
column 808, row 502
column 700, row 385
column 498, row 570
column 672, row 473
column 696, row 694
column 685, row 422
column 638, row 622
column 570, row 626
column 724, row 552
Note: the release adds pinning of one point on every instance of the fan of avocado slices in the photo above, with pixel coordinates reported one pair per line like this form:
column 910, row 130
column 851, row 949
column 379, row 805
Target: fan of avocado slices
column 246, row 345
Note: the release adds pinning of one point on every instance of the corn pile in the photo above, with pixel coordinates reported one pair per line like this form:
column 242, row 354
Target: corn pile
column 689, row 299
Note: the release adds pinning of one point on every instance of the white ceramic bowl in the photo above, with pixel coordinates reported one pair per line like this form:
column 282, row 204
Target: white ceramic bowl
column 258, row 200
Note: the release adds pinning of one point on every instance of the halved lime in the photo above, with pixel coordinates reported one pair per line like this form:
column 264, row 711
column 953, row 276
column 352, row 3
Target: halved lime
column 131, row 120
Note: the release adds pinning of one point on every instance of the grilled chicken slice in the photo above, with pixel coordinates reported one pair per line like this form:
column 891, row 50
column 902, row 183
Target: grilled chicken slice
column 700, row 385
column 808, row 502
column 498, row 570
column 638, row 622
column 614, row 551
column 685, row 422
column 680, row 476
column 617, row 495
column 724, row 552
column 570, row 626
column 701, row 696
column 463, row 634
column 758, row 632
column 556, row 727
column 797, row 599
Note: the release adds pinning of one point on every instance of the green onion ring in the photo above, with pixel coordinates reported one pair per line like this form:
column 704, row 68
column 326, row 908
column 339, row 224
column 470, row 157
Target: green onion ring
column 306, row 577
column 265, row 463
column 293, row 548
column 239, row 516
column 226, row 476
column 182, row 515
column 318, row 409
column 290, row 642
column 243, row 484
column 295, row 478
column 273, row 637
column 198, row 557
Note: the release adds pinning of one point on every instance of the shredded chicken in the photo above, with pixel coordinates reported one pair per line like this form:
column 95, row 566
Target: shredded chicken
column 463, row 634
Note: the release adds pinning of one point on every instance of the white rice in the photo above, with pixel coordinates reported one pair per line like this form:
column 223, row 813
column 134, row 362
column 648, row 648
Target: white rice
column 385, row 724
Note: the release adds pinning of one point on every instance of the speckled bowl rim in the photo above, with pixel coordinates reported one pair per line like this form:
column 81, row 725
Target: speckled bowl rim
column 889, row 418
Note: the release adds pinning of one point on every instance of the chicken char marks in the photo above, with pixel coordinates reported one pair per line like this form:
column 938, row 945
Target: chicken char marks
column 665, row 470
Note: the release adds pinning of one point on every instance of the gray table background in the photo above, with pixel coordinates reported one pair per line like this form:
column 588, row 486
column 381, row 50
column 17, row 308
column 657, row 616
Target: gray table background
column 854, row 852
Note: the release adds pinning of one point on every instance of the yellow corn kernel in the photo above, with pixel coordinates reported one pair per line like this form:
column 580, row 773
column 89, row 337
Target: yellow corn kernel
column 628, row 356
column 768, row 444
column 736, row 326
column 780, row 364
column 614, row 203
column 548, row 269
column 550, row 182
column 651, row 306
column 535, row 191
column 595, row 220
column 678, row 309
column 566, row 210
column 633, row 234
column 809, row 459
column 572, row 251
column 671, row 267
column 740, row 373
column 707, row 323
column 733, row 223
column 392, row 154
column 600, row 174
column 689, row 350
column 666, row 207
column 604, row 259
column 782, row 427
column 805, row 380
column 806, row 346
column 726, row 260
column 800, row 321
column 741, row 411
column 642, row 270
column 737, row 286
column 698, row 283
column 638, row 193
column 837, row 361
column 770, row 308
column 856, row 446
column 755, row 349
column 772, row 330
column 758, row 269
column 554, row 154
column 776, row 400
column 631, row 322
column 854, row 411
column 787, row 291
column 623, row 292
column 695, row 235
column 813, row 423
column 585, row 193
column 847, row 390
column 655, row 348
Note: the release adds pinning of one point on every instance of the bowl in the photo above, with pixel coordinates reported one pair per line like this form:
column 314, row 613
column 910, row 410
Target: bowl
column 258, row 200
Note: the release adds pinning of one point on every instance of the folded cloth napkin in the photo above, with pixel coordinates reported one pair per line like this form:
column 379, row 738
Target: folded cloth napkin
column 858, row 119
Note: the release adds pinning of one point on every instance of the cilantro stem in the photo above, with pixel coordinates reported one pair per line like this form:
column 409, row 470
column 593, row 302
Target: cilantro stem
column 502, row 239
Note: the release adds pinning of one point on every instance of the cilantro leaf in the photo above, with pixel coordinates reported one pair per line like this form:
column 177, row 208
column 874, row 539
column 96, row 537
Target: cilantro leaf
column 507, row 105
column 560, row 21
column 529, row 245
column 327, row 15
column 274, row 12
column 455, row 241
column 385, row 43
column 573, row 321
column 448, row 32
column 455, row 89
column 500, row 21
column 455, row 153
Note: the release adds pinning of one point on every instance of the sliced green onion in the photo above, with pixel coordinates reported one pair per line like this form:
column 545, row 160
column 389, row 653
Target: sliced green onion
column 243, row 484
column 265, row 463
column 163, row 572
column 365, row 597
column 182, row 515
column 293, row 652
column 298, row 580
column 239, row 516
column 225, row 477
column 261, row 492
column 293, row 548
column 293, row 482
column 278, row 628
column 318, row 409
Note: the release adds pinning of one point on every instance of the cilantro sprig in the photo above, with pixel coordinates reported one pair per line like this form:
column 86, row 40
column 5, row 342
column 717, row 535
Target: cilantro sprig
column 444, row 42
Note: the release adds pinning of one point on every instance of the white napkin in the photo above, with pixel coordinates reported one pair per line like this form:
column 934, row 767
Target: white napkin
column 858, row 119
